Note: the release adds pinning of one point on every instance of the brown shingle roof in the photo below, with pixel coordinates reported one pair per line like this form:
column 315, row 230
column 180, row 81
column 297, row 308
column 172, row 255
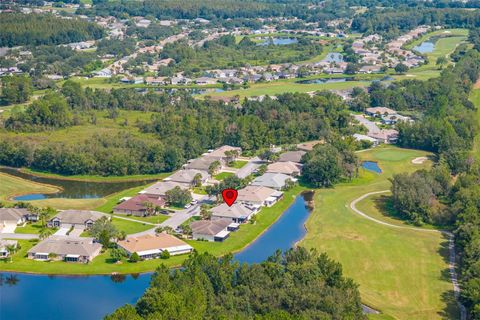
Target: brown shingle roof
column 137, row 203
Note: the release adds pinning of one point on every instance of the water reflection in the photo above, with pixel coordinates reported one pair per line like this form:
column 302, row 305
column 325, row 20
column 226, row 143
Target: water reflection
column 73, row 189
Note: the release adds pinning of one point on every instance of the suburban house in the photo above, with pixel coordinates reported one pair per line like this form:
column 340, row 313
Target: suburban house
column 160, row 188
column 202, row 163
column 288, row 167
column 11, row 217
column 80, row 219
column 220, row 153
column 379, row 111
column 385, row 135
column 139, row 205
column 202, row 81
column 187, row 176
column 394, row 119
column 362, row 137
column 151, row 246
column 4, row 246
column 69, row 249
column 238, row 212
column 293, row 156
column 211, row 230
column 272, row 180
column 258, row 196
column 308, row 146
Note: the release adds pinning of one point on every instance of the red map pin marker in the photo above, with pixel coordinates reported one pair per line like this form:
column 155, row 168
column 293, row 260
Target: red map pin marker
column 229, row 196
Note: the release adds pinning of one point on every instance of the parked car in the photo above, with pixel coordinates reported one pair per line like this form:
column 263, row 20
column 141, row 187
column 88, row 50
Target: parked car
column 194, row 201
column 188, row 205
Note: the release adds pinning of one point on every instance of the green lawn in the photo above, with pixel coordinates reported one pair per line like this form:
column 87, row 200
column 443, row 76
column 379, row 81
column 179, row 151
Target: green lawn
column 130, row 226
column 223, row 175
column 11, row 186
column 32, row 228
column 151, row 219
column 403, row 273
column 237, row 164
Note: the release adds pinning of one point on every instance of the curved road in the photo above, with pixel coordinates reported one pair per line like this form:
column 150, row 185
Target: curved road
column 451, row 246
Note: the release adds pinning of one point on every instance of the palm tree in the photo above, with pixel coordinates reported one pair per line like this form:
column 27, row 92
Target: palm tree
column 11, row 248
column 205, row 213
column 45, row 233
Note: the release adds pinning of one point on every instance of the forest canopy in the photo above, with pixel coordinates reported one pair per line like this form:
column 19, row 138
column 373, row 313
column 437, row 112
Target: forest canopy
column 299, row 284
column 36, row 29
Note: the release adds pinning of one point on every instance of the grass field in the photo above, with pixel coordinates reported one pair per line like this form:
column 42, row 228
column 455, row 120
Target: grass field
column 444, row 46
column 282, row 86
column 11, row 186
column 403, row 273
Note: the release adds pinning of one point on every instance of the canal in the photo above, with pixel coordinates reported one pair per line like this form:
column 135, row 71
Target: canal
column 24, row 296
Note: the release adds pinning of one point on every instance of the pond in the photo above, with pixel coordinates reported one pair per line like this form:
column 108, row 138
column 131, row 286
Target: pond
column 24, row 296
column 278, row 41
column 73, row 189
column 324, row 80
column 425, row 47
column 372, row 166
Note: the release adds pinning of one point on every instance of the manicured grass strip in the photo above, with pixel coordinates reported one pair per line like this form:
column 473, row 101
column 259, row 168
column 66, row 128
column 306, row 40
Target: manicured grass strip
column 11, row 186
column 129, row 226
column 237, row 164
column 223, row 175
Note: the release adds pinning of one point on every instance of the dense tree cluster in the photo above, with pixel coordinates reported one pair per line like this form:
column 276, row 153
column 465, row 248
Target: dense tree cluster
column 328, row 164
column 418, row 196
column 116, row 47
column 50, row 111
column 392, row 22
column 466, row 207
column 300, row 284
column 15, row 89
column 36, row 29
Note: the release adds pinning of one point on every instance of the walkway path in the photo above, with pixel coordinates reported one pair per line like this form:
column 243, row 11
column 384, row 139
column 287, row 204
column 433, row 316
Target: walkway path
column 18, row 236
column 451, row 246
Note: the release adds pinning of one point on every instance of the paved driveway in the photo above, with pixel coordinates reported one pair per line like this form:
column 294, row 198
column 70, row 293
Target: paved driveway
column 61, row 232
column 9, row 228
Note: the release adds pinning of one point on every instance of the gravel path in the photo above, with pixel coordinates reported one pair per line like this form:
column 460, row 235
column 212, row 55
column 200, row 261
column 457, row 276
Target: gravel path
column 451, row 246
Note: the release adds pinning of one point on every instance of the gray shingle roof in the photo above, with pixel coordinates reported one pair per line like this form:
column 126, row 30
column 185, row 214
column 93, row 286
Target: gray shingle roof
column 78, row 216
column 66, row 245
column 212, row 227
column 271, row 180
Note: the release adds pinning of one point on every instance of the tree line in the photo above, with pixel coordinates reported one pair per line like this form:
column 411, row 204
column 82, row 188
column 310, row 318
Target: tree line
column 299, row 284
column 37, row 29
column 182, row 127
column 448, row 194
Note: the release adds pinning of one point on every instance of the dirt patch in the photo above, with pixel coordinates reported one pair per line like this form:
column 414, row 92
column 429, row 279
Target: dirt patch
column 477, row 84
